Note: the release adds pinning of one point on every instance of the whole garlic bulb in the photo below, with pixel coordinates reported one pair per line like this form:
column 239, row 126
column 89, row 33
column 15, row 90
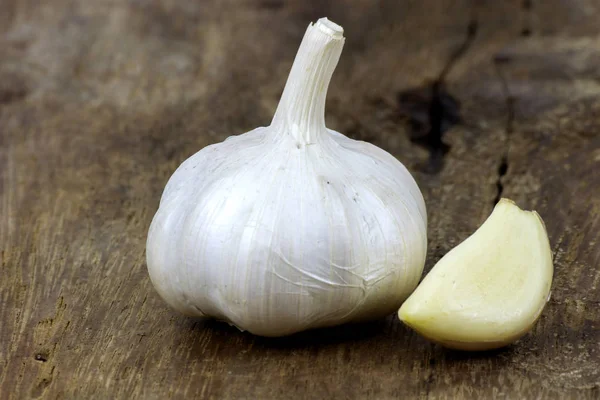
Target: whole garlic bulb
column 291, row 226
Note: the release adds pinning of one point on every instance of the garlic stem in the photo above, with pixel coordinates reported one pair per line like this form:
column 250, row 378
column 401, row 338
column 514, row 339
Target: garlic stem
column 301, row 111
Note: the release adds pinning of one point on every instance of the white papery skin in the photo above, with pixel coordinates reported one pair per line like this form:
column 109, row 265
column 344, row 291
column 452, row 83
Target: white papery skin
column 292, row 226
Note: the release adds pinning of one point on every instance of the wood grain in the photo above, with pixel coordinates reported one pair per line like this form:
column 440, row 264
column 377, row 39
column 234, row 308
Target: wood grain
column 101, row 101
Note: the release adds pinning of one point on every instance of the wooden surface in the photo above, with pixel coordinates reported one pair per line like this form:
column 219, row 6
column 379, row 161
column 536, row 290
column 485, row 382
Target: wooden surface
column 101, row 100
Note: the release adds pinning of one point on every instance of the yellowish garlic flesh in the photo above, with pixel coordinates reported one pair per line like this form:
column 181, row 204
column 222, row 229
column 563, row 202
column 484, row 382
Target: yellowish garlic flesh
column 488, row 291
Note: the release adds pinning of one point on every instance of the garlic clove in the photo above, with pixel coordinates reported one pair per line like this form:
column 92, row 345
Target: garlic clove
column 488, row 291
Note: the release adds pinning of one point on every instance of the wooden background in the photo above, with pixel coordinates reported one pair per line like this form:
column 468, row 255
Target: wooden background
column 101, row 100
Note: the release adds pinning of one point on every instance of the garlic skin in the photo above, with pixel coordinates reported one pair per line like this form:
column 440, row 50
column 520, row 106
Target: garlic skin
column 489, row 290
column 292, row 226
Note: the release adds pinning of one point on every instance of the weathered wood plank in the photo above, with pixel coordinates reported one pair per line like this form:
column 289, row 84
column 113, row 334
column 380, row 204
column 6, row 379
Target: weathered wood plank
column 100, row 102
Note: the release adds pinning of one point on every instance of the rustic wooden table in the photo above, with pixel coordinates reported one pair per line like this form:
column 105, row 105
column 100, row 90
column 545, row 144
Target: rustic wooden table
column 100, row 101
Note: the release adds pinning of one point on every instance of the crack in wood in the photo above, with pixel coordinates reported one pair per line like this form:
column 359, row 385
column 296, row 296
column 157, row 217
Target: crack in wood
column 508, row 127
column 432, row 110
column 527, row 9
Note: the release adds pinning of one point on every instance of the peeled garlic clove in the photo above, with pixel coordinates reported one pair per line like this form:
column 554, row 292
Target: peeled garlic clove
column 291, row 226
column 489, row 290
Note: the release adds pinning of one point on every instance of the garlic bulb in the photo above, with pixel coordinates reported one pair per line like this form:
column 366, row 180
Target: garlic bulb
column 489, row 290
column 291, row 226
